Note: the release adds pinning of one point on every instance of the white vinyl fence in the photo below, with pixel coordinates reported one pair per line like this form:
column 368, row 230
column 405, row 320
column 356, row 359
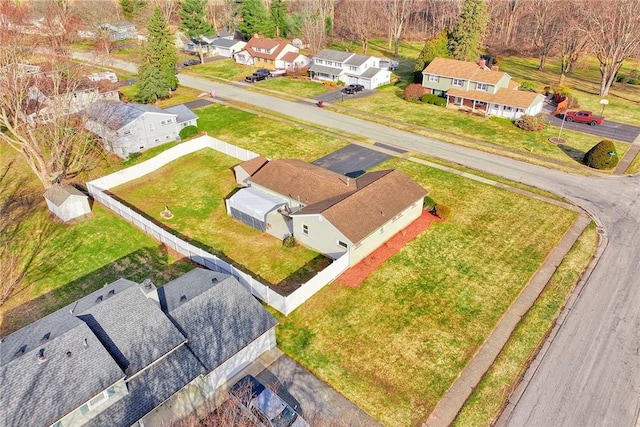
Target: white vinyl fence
column 283, row 304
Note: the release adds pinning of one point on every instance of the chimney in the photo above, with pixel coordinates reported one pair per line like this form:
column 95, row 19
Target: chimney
column 495, row 68
column 482, row 63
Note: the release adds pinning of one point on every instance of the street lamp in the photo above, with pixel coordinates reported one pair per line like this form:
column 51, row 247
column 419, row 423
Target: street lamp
column 604, row 103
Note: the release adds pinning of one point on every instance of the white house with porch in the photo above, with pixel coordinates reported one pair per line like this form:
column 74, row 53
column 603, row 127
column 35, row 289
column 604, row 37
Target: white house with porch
column 350, row 68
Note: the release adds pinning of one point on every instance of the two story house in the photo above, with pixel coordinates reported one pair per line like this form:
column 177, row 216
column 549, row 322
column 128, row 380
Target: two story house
column 113, row 356
column 324, row 210
column 350, row 68
column 478, row 87
column 271, row 54
column 130, row 128
column 120, row 30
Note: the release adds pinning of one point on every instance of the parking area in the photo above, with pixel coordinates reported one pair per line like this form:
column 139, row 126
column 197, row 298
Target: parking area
column 352, row 160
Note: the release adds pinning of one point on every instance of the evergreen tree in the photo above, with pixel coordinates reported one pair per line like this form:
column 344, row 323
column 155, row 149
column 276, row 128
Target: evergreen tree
column 279, row 17
column 156, row 75
column 434, row 48
column 467, row 37
column 254, row 19
column 192, row 16
column 130, row 8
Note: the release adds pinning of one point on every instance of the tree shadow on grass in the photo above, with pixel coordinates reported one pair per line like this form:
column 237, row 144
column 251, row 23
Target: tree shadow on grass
column 148, row 262
column 573, row 153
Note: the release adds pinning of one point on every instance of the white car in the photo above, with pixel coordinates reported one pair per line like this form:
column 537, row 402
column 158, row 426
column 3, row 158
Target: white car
column 263, row 405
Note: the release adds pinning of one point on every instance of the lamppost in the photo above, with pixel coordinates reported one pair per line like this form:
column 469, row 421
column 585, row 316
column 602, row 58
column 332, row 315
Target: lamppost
column 604, row 103
column 564, row 116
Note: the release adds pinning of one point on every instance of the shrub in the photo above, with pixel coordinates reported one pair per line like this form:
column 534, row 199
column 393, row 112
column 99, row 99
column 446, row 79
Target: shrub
column 603, row 155
column 413, row 92
column 430, row 98
column 289, row 242
column 188, row 132
column 527, row 86
column 428, row 204
column 442, row 212
column 530, row 123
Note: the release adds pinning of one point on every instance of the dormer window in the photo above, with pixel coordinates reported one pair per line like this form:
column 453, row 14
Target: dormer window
column 457, row 82
column 482, row 86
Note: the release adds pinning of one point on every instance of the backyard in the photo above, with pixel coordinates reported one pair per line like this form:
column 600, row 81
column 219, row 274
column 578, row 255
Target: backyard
column 394, row 345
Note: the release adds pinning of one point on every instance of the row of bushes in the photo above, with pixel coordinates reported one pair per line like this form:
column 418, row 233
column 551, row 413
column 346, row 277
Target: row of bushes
column 415, row 92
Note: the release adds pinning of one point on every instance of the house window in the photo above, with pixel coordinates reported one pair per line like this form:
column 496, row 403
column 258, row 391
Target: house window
column 150, row 126
column 163, row 122
column 305, row 229
column 157, row 140
column 433, row 78
column 382, row 229
column 352, row 68
column 457, row 82
column 343, row 244
column 507, row 108
column 319, row 61
column 98, row 400
column 482, row 86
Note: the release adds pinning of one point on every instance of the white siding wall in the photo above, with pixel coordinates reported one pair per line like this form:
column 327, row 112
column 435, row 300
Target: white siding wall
column 323, row 236
column 73, row 207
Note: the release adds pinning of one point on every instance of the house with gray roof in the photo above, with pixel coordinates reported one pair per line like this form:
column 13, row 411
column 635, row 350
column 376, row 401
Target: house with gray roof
column 350, row 68
column 113, row 356
column 67, row 202
column 127, row 128
column 324, row 210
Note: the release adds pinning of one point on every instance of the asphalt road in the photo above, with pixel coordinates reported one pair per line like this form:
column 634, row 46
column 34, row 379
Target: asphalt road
column 591, row 373
column 608, row 129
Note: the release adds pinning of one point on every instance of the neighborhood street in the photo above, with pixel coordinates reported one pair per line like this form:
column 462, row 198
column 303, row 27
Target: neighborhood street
column 591, row 373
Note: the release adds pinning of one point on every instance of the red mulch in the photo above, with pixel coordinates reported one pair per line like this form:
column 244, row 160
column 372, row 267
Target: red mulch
column 354, row 276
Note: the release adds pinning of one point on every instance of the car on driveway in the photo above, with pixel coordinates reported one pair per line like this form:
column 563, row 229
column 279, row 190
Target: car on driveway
column 583, row 117
column 261, row 404
column 260, row 74
column 190, row 62
column 353, row 88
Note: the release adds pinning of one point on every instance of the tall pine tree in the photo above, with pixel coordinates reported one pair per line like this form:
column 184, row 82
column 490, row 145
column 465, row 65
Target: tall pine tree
column 254, row 19
column 467, row 37
column 193, row 21
column 278, row 13
column 157, row 71
column 434, row 48
column 151, row 83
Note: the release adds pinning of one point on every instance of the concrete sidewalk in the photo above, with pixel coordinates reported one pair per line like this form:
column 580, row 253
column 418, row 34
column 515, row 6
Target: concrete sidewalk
column 629, row 156
column 451, row 403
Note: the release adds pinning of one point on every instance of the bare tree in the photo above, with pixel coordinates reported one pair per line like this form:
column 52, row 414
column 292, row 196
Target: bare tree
column 613, row 30
column 358, row 20
column 505, row 17
column 316, row 18
column 547, row 24
column 572, row 42
column 169, row 9
column 397, row 12
column 60, row 24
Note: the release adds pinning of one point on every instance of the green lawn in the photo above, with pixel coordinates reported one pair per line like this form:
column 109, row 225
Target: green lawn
column 487, row 399
column 299, row 87
column 396, row 344
column 194, row 188
column 226, row 69
column 179, row 96
column 265, row 136
column 634, row 167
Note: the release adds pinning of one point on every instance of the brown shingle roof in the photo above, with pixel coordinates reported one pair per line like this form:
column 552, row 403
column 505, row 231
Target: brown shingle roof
column 259, row 42
column 463, row 70
column 508, row 97
column 302, row 181
column 290, row 56
column 252, row 166
column 380, row 196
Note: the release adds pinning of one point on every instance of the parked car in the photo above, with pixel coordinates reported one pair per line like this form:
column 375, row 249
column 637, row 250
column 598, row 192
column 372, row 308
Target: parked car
column 353, row 88
column 260, row 74
column 583, row 117
column 189, row 62
column 263, row 405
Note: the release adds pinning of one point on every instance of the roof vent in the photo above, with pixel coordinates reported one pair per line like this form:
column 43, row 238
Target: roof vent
column 68, row 354
column 45, row 337
column 183, row 298
column 86, row 343
column 41, row 356
column 147, row 284
column 111, row 293
column 21, row 350
column 214, row 280
column 99, row 299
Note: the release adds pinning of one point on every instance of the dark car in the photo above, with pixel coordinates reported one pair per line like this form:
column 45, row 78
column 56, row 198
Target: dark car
column 259, row 75
column 351, row 89
column 190, row 62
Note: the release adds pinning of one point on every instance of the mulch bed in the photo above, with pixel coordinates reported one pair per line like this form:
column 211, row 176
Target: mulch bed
column 354, row 276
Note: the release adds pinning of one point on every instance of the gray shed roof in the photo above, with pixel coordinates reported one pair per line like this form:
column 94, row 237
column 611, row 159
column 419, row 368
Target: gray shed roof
column 58, row 193
column 333, row 55
column 217, row 315
column 184, row 114
column 116, row 114
column 357, row 60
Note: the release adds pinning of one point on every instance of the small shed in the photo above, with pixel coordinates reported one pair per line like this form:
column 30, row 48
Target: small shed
column 67, row 202
column 253, row 207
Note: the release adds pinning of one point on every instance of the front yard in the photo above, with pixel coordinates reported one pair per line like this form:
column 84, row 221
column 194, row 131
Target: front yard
column 394, row 345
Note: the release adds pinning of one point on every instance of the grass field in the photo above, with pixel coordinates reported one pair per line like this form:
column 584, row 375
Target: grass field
column 487, row 399
column 226, row 69
column 194, row 188
column 396, row 344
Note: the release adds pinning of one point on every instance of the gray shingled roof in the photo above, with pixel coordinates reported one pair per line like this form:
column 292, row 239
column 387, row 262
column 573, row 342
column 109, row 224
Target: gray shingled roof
column 151, row 388
column 116, row 114
column 184, row 114
column 132, row 328
column 370, row 72
column 333, row 55
column 219, row 42
column 58, row 194
column 357, row 60
column 326, row 70
column 219, row 318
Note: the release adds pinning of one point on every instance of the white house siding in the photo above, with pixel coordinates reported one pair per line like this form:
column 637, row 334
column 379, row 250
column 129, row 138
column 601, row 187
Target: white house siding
column 323, row 236
column 294, row 204
column 145, row 132
column 73, row 207
column 240, row 360
column 242, row 177
column 374, row 240
column 279, row 225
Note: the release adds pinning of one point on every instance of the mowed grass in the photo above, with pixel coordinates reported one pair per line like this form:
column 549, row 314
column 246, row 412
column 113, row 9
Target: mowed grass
column 265, row 136
column 388, row 103
column 394, row 345
column 299, row 87
column 226, row 69
column 194, row 188
column 487, row 399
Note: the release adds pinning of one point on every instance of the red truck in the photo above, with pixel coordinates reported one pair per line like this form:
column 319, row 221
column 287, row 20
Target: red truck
column 583, row 117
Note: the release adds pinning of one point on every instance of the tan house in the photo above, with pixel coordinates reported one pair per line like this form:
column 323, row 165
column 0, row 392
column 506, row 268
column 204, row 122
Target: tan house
column 326, row 211
column 479, row 88
column 271, row 54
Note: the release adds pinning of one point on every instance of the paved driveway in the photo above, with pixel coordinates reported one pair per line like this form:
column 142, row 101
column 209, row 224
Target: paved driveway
column 609, row 129
column 352, row 160
column 337, row 96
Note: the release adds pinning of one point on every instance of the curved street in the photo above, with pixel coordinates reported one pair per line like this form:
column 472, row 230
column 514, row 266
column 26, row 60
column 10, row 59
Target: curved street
column 591, row 373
